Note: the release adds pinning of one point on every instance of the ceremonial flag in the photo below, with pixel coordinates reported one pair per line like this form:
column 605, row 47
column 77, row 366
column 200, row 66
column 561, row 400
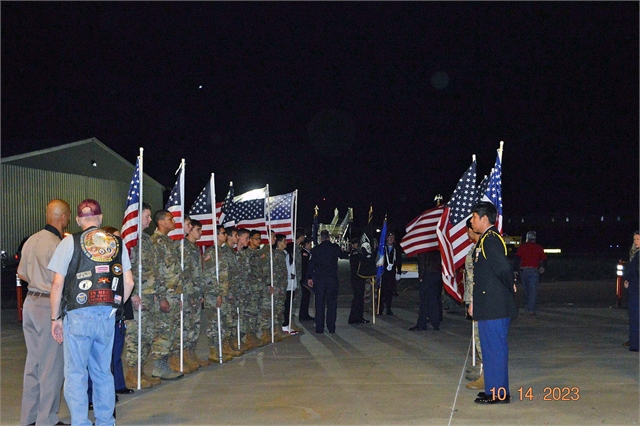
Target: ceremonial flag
column 421, row 233
column 225, row 217
column 202, row 210
column 493, row 190
column 131, row 219
column 367, row 267
column 280, row 213
column 452, row 230
column 247, row 211
column 175, row 205
column 382, row 248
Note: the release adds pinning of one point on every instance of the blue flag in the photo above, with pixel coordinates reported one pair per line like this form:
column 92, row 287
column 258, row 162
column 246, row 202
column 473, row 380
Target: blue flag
column 382, row 246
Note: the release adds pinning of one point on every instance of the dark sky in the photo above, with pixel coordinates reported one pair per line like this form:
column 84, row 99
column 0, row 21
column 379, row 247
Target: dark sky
column 357, row 103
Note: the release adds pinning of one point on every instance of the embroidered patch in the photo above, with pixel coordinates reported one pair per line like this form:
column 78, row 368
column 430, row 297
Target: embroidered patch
column 81, row 298
column 100, row 296
column 83, row 274
column 99, row 246
column 117, row 299
column 117, row 269
column 102, row 269
column 114, row 284
column 85, row 284
column 104, row 280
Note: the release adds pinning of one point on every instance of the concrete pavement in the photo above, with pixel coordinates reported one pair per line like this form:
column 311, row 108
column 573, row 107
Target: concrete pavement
column 383, row 374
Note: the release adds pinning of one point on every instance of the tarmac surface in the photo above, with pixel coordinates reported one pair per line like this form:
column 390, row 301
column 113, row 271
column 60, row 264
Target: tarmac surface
column 570, row 356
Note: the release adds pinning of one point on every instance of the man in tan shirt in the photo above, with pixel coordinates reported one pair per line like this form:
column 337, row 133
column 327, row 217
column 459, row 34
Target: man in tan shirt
column 44, row 368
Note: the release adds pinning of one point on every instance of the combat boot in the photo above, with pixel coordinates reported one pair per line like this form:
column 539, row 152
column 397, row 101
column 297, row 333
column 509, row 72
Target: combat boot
column 214, row 356
column 265, row 339
column 191, row 359
column 174, row 363
column 229, row 349
column 131, row 379
column 155, row 381
column 161, row 369
column 252, row 341
column 194, row 358
column 477, row 384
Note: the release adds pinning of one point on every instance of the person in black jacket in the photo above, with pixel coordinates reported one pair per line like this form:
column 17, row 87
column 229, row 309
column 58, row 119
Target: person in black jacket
column 322, row 277
column 358, row 283
column 493, row 303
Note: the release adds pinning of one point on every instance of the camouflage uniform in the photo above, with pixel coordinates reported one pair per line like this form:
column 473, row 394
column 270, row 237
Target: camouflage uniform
column 280, row 282
column 468, row 293
column 264, row 277
column 192, row 296
column 169, row 285
column 226, row 288
column 149, row 307
column 250, row 259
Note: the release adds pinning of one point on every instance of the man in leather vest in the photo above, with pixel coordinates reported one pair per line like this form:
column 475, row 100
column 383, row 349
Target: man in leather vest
column 92, row 280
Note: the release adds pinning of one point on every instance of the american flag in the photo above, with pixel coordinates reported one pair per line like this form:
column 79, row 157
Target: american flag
column 131, row 220
column 421, row 234
column 452, row 230
column 175, row 205
column 248, row 211
column 201, row 210
column 493, row 190
column 226, row 215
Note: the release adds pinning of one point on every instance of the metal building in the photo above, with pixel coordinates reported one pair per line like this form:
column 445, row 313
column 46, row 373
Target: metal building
column 72, row 172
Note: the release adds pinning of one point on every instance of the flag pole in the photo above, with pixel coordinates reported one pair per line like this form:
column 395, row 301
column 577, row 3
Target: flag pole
column 268, row 208
column 473, row 344
column 182, row 164
column 141, row 174
column 293, row 232
column 215, row 241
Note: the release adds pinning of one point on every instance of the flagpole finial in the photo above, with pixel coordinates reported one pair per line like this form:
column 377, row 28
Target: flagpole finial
column 438, row 200
column 230, row 183
column 473, row 158
column 501, row 145
column 316, row 209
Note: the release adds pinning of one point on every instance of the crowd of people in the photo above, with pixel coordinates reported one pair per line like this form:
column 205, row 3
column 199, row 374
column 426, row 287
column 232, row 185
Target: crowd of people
column 86, row 286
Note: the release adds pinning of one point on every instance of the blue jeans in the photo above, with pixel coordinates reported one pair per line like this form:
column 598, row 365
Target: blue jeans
column 88, row 343
column 530, row 277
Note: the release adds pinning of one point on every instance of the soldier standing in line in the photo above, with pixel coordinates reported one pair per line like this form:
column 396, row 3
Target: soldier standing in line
column 249, row 289
column 218, row 294
column 169, row 287
column 149, row 309
column 194, row 294
column 475, row 374
column 280, row 282
column 264, row 290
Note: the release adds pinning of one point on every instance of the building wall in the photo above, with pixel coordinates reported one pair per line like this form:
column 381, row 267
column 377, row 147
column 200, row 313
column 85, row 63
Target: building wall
column 26, row 192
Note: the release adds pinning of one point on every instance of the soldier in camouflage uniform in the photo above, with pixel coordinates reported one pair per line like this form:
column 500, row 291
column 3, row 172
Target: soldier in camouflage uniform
column 264, row 290
column 220, row 293
column 169, row 286
column 149, row 309
column 280, row 282
column 193, row 296
column 249, row 287
column 472, row 373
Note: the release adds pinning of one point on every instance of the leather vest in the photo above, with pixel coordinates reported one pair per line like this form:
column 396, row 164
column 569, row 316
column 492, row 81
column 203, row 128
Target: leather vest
column 94, row 276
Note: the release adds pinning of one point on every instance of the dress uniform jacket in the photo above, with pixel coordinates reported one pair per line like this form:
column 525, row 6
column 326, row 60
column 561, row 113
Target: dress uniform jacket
column 493, row 290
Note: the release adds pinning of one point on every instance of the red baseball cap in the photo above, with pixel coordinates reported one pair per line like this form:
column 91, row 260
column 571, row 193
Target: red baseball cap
column 89, row 207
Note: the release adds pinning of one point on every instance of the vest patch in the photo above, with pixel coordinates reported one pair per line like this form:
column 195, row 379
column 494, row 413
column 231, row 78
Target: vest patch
column 83, row 274
column 99, row 246
column 85, row 284
column 117, row 269
column 102, row 269
column 100, row 296
column 114, row 284
column 81, row 298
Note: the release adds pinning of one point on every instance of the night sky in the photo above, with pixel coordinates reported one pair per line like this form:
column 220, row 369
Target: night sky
column 350, row 103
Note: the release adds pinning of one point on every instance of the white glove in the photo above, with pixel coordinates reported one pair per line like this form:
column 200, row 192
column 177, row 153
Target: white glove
column 397, row 277
column 541, row 270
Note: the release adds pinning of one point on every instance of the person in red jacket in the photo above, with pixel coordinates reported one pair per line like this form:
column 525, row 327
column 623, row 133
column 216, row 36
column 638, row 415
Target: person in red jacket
column 530, row 261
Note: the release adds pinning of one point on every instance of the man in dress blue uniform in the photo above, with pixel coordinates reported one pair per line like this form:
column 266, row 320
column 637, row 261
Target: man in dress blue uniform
column 493, row 303
column 323, row 279
column 92, row 279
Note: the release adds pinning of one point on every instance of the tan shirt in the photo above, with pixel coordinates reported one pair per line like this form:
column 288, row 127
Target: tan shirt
column 36, row 254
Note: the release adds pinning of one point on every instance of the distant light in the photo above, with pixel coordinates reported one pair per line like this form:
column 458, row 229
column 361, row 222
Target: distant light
column 567, row 219
column 601, row 218
column 93, row 163
column 553, row 251
column 618, row 218
column 199, row 87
